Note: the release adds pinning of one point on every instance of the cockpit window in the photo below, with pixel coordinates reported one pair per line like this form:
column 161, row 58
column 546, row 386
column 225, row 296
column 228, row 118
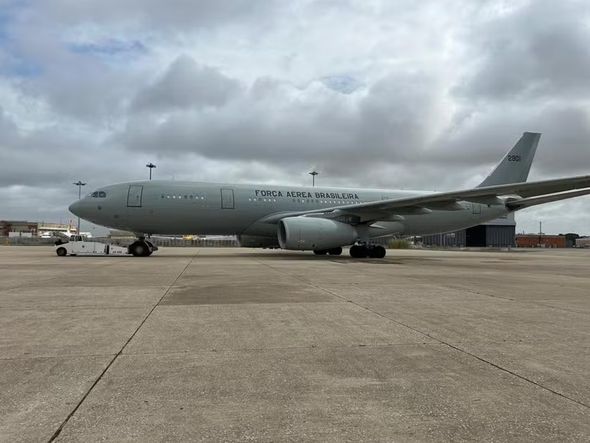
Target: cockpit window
column 102, row 194
column 94, row 194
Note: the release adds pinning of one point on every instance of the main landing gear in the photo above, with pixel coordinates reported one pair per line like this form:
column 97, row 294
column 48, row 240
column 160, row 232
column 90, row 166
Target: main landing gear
column 367, row 251
column 142, row 248
column 333, row 251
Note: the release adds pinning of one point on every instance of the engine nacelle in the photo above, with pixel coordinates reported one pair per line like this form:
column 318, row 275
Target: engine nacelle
column 257, row 241
column 304, row 233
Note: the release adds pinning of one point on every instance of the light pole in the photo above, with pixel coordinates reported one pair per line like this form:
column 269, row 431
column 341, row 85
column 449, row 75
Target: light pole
column 79, row 184
column 151, row 166
column 313, row 174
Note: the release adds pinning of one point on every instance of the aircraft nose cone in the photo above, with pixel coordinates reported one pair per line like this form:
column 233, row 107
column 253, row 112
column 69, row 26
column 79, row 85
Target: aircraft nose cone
column 75, row 208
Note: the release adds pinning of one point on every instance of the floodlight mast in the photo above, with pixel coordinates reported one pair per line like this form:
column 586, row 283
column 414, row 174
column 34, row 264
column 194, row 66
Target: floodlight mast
column 313, row 174
column 151, row 166
column 79, row 184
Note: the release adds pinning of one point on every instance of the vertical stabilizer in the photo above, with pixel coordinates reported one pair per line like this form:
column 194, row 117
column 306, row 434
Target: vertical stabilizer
column 515, row 166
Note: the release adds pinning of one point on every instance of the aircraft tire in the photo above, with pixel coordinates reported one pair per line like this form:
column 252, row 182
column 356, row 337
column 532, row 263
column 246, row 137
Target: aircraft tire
column 62, row 252
column 320, row 251
column 378, row 252
column 151, row 247
column 335, row 251
column 139, row 249
column 358, row 251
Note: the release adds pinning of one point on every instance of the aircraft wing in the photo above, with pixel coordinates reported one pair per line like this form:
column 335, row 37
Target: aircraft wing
column 449, row 201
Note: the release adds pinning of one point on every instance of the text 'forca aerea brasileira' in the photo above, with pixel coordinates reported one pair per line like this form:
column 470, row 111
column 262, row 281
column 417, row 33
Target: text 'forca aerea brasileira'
column 306, row 194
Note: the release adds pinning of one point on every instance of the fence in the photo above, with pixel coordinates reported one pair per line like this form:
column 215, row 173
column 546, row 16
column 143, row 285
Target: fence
column 164, row 242
column 199, row 243
column 26, row 241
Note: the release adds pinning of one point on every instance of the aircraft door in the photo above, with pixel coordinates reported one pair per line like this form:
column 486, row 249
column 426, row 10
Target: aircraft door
column 134, row 196
column 476, row 208
column 227, row 199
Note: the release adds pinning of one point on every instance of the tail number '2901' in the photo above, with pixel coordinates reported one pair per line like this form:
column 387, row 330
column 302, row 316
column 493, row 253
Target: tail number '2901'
column 514, row 158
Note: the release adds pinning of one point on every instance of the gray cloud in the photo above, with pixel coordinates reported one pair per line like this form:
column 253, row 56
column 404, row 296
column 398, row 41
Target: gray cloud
column 276, row 123
column 538, row 51
column 8, row 130
column 186, row 84
column 157, row 15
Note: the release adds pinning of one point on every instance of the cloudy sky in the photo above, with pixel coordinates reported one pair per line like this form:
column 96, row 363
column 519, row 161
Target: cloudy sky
column 389, row 94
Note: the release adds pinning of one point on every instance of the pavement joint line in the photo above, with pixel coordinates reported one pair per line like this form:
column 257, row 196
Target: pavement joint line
column 433, row 341
column 68, row 308
column 515, row 374
column 63, row 357
column 483, row 294
column 472, row 291
column 450, row 345
column 284, row 348
column 108, row 366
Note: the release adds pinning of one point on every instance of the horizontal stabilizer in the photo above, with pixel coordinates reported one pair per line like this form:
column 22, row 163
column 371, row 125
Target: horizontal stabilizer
column 533, row 201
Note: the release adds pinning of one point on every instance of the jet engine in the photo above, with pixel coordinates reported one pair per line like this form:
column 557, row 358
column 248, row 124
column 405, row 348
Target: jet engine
column 257, row 241
column 304, row 233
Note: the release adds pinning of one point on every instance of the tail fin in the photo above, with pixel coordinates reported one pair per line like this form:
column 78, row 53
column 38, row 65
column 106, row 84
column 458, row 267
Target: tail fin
column 515, row 166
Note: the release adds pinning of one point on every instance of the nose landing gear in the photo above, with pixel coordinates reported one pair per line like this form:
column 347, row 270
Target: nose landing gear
column 367, row 251
column 142, row 248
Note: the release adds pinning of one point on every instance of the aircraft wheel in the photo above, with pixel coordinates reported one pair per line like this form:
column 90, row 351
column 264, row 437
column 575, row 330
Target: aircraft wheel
column 378, row 252
column 335, row 251
column 357, row 251
column 62, row 252
column 139, row 249
column 320, row 252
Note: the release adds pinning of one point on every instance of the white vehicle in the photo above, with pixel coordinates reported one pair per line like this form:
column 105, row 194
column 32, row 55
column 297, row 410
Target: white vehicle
column 79, row 246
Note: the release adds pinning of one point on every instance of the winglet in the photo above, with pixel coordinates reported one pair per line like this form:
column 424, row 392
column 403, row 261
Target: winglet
column 516, row 164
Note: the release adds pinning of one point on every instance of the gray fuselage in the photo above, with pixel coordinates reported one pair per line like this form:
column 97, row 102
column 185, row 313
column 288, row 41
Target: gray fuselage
column 176, row 208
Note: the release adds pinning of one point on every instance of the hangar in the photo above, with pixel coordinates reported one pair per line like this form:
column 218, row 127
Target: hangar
column 499, row 233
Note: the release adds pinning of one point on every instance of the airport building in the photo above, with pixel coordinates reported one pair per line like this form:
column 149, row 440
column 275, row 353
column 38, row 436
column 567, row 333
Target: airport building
column 19, row 228
column 499, row 233
column 540, row 241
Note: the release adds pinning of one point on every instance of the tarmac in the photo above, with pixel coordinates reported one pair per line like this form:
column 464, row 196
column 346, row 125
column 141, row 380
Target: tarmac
column 234, row 344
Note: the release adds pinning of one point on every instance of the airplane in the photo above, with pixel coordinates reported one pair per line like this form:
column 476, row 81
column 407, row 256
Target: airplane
column 320, row 219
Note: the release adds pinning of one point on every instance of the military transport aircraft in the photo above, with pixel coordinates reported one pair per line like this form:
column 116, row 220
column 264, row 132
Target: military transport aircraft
column 317, row 218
